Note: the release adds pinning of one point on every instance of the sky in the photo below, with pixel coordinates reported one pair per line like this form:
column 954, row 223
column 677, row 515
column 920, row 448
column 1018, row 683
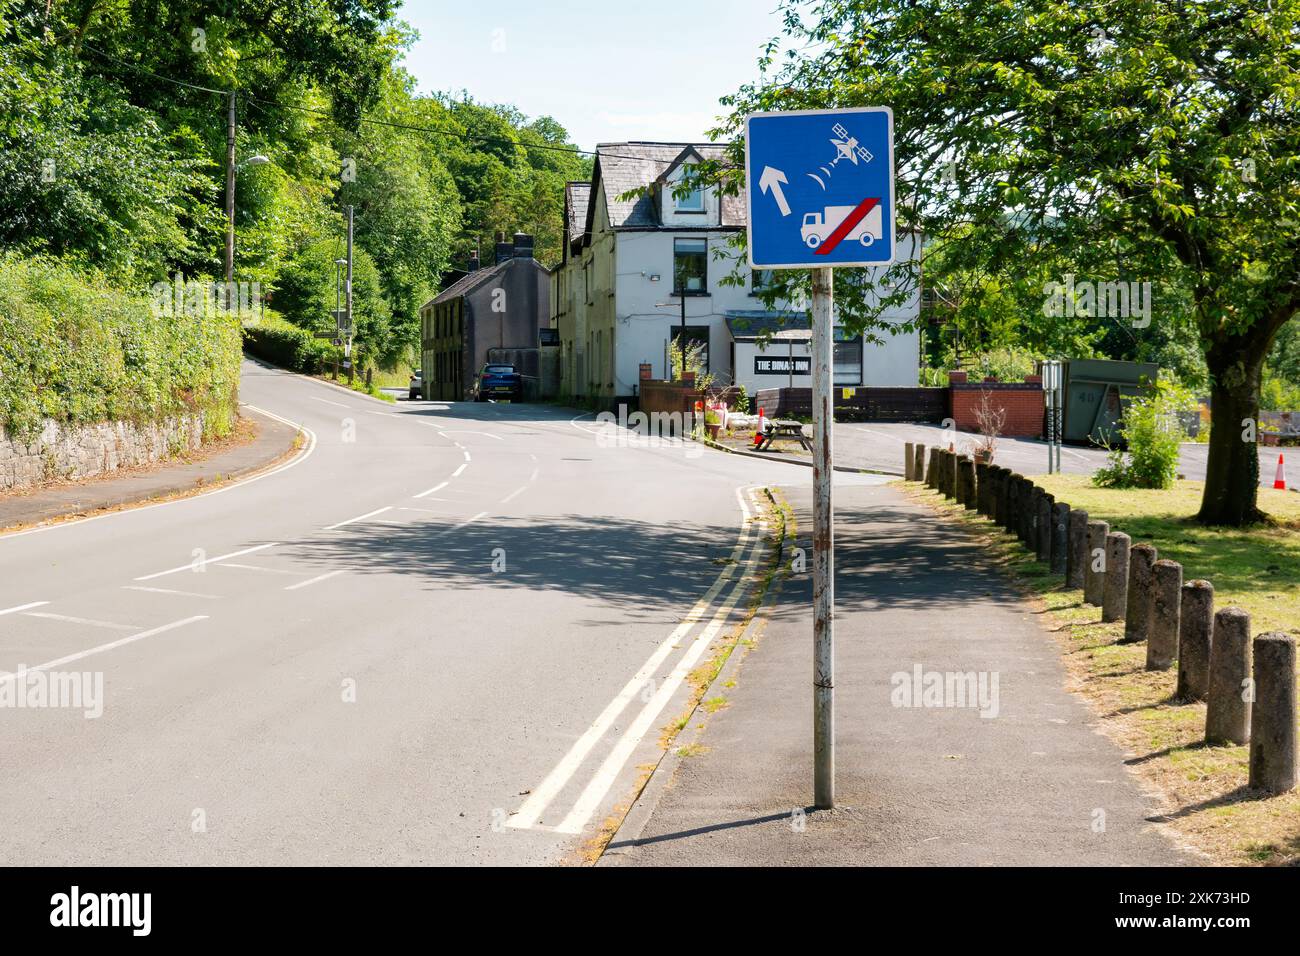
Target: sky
column 606, row 70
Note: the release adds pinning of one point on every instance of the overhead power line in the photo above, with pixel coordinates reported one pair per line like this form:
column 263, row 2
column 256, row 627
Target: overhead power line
column 409, row 127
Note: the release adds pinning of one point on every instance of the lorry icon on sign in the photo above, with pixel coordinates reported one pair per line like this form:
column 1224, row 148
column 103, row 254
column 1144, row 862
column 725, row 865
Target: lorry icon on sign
column 818, row 226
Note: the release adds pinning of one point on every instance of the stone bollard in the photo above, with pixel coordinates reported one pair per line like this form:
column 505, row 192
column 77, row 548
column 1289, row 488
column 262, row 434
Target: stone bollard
column 965, row 482
column 1273, row 714
column 1076, row 549
column 1115, row 589
column 1195, row 634
column 1031, row 522
column 1227, row 710
column 1166, row 603
column 1000, row 476
column 1012, row 503
column 1141, row 593
column 918, row 463
column 1094, row 580
column 1043, row 546
column 982, row 472
column 1029, row 518
column 1022, row 503
column 1060, row 536
column 1002, row 489
column 908, row 450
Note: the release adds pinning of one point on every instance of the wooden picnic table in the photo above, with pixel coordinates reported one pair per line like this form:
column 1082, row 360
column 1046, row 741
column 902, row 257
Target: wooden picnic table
column 779, row 429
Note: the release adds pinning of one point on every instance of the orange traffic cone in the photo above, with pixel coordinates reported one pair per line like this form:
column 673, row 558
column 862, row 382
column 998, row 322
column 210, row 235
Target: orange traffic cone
column 1280, row 481
column 758, row 432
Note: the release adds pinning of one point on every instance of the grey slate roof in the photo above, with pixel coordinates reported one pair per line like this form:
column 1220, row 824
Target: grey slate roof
column 622, row 167
column 576, row 197
column 747, row 325
column 466, row 284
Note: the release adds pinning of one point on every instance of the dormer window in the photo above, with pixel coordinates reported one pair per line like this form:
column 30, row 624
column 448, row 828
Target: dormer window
column 693, row 201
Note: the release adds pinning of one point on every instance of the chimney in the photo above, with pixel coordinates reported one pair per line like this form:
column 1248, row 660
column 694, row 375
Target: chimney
column 505, row 250
column 474, row 263
column 523, row 245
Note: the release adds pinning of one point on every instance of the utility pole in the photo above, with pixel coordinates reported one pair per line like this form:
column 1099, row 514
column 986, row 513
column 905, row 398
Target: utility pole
column 823, row 563
column 230, row 193
column 347, row 348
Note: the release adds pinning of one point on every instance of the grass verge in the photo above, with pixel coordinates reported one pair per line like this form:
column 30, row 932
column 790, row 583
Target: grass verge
column 1207, row 803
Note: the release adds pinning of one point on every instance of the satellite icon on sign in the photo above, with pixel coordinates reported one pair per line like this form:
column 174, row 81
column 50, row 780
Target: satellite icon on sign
column 846, row 147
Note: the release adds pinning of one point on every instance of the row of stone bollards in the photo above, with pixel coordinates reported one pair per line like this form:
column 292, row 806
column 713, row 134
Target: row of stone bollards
column 1249, row 687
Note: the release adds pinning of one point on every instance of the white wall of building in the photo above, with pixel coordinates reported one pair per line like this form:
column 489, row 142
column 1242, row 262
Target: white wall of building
column 621, row 311
column 643, row 332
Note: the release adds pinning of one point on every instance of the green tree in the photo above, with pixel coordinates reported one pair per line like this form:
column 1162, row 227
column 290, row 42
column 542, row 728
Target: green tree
column 307, row 291
column 1158, row 134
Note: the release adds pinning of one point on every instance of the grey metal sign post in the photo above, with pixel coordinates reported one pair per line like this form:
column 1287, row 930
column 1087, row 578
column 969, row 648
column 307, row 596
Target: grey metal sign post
column 823, row 557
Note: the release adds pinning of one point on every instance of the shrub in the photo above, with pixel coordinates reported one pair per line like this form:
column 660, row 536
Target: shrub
column 742, row 400
column 1152, row 434
column 284, row 344
column 78, row 351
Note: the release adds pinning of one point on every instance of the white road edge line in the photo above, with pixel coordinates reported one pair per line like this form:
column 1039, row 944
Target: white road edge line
column 456, row 473
column 368, row 514
column 514, row 494
column 467, row 521
column 425, row 494
column 194, row 594
column 110, row 646
column 83, row 620
column 595, row 791
column 531, row 811
column 22, row 607
column 320, row 577
column 257, row 567
column 203, row 564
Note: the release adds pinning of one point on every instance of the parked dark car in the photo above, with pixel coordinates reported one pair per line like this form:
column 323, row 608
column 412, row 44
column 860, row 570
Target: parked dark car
column 497, row 381
column 416, row 385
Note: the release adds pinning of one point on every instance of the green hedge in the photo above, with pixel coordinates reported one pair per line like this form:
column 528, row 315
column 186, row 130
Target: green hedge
column 74, row 349
column 286, row 345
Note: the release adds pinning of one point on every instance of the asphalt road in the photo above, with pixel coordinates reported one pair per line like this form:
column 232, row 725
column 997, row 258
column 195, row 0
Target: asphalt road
column 442, row 634
column 879, row 446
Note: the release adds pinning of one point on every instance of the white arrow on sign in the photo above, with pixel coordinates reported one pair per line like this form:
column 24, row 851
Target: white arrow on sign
column 772, row 180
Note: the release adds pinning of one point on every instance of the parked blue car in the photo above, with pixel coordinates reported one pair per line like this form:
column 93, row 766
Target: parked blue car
column 498, row 381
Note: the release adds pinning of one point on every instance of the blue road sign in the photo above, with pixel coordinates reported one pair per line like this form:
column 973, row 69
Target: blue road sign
column 820, row 188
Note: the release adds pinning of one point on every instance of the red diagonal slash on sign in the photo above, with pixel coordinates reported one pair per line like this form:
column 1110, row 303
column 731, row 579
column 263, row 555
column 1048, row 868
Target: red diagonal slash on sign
column 847, row 226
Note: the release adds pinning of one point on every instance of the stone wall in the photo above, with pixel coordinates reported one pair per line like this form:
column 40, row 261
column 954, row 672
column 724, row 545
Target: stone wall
column 60, row 452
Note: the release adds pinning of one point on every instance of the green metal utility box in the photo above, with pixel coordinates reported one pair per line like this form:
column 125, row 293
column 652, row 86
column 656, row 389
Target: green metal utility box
column 1096, row 391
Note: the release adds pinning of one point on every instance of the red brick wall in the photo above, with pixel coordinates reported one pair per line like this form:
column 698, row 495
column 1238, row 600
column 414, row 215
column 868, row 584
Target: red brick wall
column 1023, row 404
column 658, row 396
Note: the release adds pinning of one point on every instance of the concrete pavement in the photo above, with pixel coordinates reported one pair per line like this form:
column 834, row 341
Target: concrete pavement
column 426, row 639
column 1030, row 783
